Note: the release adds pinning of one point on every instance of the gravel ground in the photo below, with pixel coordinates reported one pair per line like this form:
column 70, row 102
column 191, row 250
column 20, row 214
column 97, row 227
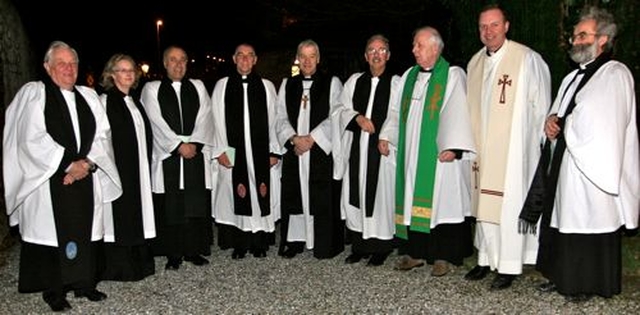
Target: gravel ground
column 305, row 285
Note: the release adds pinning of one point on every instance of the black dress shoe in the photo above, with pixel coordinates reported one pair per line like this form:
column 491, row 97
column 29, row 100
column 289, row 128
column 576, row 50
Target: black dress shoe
column 547, row 287
column 502, row 281
column 173, row 264
column 57, row 303
column 353, row 258
column 477, row 273
column 377, row 259
column 260, row 253
column 578, row 298
column 197, row 260
column 291, row 252
column 238, row 254
column 93, row 295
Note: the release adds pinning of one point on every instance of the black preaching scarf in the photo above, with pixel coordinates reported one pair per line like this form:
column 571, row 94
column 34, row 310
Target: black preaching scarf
column 127, row 209
column 72, row 204
column 378, row 115
column 542, row 192
column 195, row 202
column 320, row 163
column 259, row 129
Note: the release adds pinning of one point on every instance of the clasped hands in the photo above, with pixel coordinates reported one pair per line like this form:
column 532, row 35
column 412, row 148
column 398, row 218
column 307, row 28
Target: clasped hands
column 365, row 124
column 187, row 150
column 302, row 144
column 77, row 170
column 551, row 127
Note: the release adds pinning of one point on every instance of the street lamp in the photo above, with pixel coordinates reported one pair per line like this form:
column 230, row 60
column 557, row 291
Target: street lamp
column 145, row 69
column 158, row 24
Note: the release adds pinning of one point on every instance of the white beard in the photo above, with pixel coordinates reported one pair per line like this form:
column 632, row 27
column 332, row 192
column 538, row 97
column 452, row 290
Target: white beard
column 583, row 53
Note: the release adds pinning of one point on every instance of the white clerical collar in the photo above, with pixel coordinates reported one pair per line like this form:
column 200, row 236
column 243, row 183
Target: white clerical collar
column 176, row 86
column 583, row 66
column 67, row 93
column 499, row 52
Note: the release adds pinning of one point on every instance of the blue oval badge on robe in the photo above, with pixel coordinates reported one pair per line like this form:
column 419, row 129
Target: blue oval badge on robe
column 71, row 250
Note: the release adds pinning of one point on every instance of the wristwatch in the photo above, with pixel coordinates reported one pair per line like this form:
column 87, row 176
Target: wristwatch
column 92, row 166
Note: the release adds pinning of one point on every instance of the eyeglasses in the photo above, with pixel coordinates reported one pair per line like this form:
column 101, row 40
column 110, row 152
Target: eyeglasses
column 373, row 51
column 124, row 71
column 580, row 37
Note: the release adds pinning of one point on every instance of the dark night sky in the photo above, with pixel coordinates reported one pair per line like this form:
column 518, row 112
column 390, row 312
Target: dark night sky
column 98, row 29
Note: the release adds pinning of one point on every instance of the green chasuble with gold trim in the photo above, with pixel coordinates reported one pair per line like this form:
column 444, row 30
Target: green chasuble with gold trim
column 427, row 152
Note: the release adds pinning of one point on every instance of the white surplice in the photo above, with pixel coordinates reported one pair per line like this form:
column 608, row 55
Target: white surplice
column 31, row 157
column 301, row 225
column 146, row 201
column 223, row 207
column 381, row 224
column 500, row 246
column 165, row 140
column 599, row 183
column 452, row 192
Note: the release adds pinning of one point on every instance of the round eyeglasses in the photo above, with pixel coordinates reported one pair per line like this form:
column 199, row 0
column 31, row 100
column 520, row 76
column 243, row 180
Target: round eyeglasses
column 373, row 51
column 580, row 37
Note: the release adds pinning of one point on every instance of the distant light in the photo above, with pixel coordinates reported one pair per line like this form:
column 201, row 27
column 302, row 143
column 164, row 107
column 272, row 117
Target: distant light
column 159, row 23
column 295, row 68
column 145, row 68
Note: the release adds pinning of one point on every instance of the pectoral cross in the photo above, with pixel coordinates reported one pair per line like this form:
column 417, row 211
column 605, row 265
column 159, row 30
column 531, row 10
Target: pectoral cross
column 305, row 99
column 504, row 82
column 476, row 169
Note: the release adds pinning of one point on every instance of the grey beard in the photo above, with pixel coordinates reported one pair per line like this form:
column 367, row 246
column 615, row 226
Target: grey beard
column 583, row 53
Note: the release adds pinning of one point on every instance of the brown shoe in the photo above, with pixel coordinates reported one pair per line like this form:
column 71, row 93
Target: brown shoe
column 440, row 268
column 407, row 263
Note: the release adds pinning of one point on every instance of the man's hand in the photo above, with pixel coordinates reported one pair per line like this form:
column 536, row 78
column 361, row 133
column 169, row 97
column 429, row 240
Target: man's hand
column 447, row 156
column 77, row 170
column 383, row 147
column 365, row 124
column 551, row 127
column 273, row 161
column 223, row 160
column 303, row 144
column 187, row 150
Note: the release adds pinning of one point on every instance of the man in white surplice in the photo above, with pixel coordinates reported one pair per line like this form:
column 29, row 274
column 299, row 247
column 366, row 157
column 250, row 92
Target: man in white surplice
column 179, row 111
column 428, row 128
column 243, row 106
column 368, row 177
column 309, row 205
column 508, row 88
column 598, row 188
column 59, row 171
